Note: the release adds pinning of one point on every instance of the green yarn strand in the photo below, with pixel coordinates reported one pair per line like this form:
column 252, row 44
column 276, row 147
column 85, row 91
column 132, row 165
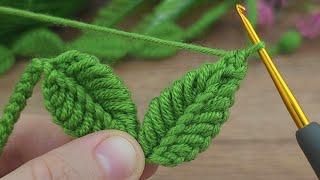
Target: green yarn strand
column 18, row 100
column 182, row 121
column 110, row 31
column 109, row 48
column 161, row 24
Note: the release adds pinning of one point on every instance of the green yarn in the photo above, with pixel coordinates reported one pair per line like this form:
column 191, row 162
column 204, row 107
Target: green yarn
column 6, row 59
column 109, row 48
column 159, row 24
column 112, row 48
column 289, row 42
column 108, row 31
column 84, row 96
column 38, row 43
column 162, row 24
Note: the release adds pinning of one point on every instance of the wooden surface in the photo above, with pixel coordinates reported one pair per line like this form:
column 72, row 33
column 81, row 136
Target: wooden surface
column 258, row 141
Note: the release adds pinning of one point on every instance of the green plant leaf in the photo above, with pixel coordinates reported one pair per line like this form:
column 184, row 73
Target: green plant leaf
column 38, row 43
column 182, row 121
column 84, row 96
column 6, row 59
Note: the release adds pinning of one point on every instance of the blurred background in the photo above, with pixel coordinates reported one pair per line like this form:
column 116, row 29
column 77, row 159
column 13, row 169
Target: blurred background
column 258, row 141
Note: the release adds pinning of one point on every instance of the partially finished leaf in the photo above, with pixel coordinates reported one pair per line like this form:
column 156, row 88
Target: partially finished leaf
column 84, row 96
column 182, row 121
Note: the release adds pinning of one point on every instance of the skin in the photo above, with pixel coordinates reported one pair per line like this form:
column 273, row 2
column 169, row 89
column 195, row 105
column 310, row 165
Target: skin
column 36, row 139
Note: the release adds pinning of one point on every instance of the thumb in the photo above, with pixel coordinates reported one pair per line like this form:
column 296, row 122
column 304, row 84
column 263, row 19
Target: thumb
column 103, row 155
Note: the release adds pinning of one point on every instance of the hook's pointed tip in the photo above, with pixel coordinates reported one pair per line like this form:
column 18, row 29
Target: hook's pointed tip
column 241, row 9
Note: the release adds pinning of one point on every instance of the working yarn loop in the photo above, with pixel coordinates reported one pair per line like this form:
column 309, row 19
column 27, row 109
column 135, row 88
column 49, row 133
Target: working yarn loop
column 84, row 96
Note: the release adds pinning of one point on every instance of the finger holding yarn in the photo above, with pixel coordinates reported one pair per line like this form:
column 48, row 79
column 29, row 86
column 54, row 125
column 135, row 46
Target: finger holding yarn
column 182, row 121
column 84, row 96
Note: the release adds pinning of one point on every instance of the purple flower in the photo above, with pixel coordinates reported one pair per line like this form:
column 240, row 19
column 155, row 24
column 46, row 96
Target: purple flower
column 309, row 27
column 266, row 13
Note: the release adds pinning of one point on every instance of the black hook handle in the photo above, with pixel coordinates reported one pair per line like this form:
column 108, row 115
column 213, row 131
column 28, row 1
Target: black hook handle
column 308, row 138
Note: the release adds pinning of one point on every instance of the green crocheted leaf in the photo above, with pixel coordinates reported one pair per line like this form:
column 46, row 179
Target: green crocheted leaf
column 108, row 47
column 12, row 26
column 6, row 59
column 114, row 11
column 208, row 18
column 84, row 96
column 38, row 43
column 167, row 30
column 182, row 121
column 161, row 24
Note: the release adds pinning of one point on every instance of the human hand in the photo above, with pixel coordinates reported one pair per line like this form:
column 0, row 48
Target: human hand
column 34, row 153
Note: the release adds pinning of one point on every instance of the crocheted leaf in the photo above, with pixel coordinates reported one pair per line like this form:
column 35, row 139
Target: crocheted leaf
column 182, row 121
column 167, row 30
column 84, row 96
column 6, row 59
column 38, row 43
column 114, row 11
column 161, row 24
column 108, row 47
column 11, row 26
column 208, row 18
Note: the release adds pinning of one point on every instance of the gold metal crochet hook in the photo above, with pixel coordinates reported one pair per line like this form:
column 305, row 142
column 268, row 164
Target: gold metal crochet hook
column 288, row 98
column 308, row 134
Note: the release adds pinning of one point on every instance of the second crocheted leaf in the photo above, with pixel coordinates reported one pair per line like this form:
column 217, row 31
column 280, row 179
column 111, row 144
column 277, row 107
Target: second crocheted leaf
column 6, row 59
column 38, row 43
column 182, row 121
column 84, row 95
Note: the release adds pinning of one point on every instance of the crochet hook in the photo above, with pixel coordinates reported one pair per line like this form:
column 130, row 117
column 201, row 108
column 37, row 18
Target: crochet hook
column 308, row 134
